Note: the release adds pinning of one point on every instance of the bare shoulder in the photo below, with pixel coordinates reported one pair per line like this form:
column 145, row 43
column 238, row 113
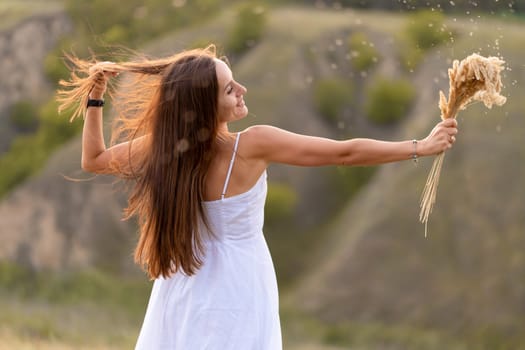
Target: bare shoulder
column 259, row 131
column 259, row 134
column 275, row 145
column 256, row 138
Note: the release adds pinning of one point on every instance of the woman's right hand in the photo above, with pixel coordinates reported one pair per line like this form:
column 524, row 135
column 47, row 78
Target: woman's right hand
column 101, row 79
column 440, row 139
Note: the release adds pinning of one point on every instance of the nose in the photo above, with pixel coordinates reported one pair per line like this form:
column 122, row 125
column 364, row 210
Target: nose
column 242, row 90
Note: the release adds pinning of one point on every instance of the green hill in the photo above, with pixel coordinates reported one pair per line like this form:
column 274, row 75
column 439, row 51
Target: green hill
column 463, row 286
column 354, row 269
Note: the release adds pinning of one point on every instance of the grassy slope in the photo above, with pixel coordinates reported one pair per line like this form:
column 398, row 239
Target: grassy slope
column 466, row 278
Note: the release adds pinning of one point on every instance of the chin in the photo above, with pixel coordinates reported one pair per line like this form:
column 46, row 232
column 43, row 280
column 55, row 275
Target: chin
column 244, row 113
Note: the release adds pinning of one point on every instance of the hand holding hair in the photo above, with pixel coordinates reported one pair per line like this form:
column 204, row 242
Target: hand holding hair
column 101, row 72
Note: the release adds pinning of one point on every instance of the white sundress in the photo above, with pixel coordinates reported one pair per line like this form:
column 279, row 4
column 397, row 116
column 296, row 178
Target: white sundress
column 232, row 302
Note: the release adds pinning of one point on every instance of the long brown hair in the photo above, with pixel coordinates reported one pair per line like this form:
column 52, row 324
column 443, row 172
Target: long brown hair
column 173, row 101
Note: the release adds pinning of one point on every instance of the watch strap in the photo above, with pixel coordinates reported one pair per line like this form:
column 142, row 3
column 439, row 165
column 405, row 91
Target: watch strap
column 95, row 103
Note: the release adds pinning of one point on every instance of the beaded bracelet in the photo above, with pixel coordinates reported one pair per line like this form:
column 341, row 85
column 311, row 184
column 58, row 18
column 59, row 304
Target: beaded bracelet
column 414, row 155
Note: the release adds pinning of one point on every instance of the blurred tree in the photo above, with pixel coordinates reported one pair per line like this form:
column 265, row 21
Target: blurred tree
column 458, row 6
column 248, row 28
column 349, row 180
column 29, row 152
column 330, row 96
column 362, row 51
column 280, row 203
column 132, row 22
column 389, row 100
column 426, row 29
column 54, row 66
column 24, row 116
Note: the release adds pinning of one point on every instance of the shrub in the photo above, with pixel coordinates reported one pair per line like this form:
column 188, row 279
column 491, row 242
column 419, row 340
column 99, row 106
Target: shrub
column 409, row 55
column 29, row 153
column 55, row 66
column 350, row 179
column 280, row 202
column 133, row 22
column 362, row 52
column 24, row 116
column 426, row 29
column 248, row 28
column 330, row 95
column 22, row 160
column 116, row 34
column 389, row 100
column 55, row 129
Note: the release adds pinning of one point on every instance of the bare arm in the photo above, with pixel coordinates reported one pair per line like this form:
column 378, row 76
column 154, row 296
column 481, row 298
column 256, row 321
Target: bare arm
column 96, row 158
column 278, row 146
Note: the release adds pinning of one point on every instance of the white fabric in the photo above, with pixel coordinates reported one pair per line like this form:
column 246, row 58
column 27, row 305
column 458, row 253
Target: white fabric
column 232, row 302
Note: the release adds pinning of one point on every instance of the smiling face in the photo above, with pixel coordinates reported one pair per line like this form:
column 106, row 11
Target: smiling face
column 231, row 105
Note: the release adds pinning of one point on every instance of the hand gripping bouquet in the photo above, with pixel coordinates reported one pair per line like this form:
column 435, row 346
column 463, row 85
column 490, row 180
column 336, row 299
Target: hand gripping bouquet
column 476, row 78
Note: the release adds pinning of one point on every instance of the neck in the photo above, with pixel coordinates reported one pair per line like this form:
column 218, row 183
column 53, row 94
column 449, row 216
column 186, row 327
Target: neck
column 223, row 129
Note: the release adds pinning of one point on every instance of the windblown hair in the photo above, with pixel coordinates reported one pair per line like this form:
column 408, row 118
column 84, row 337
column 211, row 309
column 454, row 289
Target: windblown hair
column 171, row 104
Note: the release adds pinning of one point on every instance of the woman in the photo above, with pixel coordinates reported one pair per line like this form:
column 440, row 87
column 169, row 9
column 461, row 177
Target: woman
column 199, row 192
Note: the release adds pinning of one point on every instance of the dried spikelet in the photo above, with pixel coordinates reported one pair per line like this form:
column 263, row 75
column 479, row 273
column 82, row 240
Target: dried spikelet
column 476, row 78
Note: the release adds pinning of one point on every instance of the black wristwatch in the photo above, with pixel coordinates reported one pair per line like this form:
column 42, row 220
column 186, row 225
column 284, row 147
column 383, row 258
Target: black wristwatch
column 95, row 103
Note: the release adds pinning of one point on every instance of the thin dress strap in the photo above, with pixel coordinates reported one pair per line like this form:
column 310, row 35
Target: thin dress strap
column 231, row 166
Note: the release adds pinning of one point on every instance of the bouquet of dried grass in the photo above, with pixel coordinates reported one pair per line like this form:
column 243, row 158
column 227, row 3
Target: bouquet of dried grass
column 476, row 78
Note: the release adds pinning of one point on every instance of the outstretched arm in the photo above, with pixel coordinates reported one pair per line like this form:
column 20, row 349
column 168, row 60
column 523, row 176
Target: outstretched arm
column 275, row 145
